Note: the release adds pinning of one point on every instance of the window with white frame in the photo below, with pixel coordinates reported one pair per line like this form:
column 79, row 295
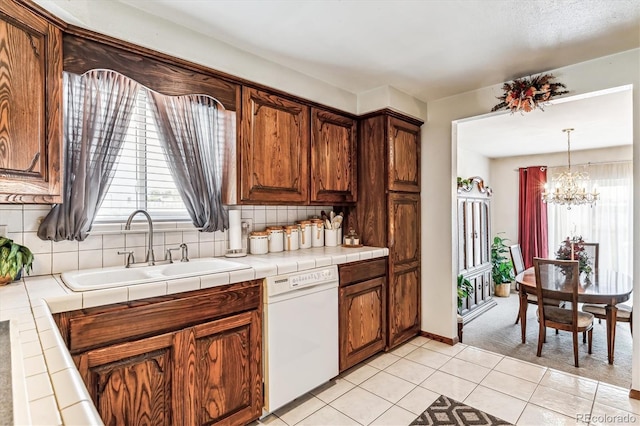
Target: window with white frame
column 142, row 179
column 609, row 222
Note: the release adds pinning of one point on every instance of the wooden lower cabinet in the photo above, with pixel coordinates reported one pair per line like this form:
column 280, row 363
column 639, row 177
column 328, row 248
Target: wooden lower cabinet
column 199, row 374
column 363, row 310
column 404, row 305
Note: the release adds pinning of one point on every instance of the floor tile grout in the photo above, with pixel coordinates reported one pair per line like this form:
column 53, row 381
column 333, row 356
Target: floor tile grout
column 475, row 385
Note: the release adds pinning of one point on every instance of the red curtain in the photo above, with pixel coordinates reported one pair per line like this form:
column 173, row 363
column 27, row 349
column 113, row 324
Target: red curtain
column 532, row 214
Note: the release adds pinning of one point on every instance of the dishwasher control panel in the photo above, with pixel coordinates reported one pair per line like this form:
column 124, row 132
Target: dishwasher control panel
column 297, row 280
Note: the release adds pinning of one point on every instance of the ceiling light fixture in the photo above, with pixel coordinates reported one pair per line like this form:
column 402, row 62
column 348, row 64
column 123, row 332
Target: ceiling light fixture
column 570, row 187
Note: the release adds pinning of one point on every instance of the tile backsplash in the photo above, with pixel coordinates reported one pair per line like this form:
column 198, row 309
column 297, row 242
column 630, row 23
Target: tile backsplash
column 100, row 249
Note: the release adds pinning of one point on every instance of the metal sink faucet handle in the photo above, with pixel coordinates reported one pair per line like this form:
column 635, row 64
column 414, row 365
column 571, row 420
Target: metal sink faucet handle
column 185, row 253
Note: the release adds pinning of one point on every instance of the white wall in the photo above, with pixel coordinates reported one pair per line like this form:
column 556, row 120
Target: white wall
column 472, row 163
column 504, row 180
column 439, row 162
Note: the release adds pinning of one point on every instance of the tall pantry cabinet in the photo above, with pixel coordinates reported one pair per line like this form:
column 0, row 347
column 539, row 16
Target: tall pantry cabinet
column 388, row 211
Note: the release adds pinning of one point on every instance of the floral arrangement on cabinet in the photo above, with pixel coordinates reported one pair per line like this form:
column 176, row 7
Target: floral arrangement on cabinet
column 529, row 93
column 573, row 249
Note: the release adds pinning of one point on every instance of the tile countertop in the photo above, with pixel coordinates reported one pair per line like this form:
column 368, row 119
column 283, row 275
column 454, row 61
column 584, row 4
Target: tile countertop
column 51, row 391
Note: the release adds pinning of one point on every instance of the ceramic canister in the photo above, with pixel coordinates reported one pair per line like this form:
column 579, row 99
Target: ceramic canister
column 291, row 238
column 259, row 242
column 276, row 238
column 317, row 233
column 305, row 233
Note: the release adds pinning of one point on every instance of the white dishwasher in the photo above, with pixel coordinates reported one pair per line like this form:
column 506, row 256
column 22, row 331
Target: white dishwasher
column 300, row 334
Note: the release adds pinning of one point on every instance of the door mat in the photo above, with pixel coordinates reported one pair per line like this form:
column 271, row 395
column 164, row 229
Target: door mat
column 447, row 411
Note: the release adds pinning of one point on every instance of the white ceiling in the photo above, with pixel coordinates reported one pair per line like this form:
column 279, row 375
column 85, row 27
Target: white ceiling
column 429, row 49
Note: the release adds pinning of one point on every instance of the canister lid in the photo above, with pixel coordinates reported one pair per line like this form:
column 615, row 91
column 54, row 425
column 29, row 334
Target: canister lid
column 273, row 228
column 259, row 234
column 303, row 222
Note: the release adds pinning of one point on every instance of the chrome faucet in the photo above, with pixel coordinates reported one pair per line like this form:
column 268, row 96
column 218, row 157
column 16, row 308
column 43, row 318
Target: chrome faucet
column 150, row 259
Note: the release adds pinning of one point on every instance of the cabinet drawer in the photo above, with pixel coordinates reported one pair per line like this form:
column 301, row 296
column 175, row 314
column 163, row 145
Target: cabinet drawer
column 364, row 270
column 103, row 326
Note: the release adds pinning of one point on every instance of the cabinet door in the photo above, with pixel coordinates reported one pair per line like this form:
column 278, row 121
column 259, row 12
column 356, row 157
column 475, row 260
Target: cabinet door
column 474, row 238
column 404, row 156
column 274, row 149
column 223, row 360
column 404, row 228
column 30, row 122
column 131, row 383
column 333, row 158
column 362, row 321
column 404, row 305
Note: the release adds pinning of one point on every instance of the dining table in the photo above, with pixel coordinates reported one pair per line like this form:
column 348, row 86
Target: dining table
column 604, row 287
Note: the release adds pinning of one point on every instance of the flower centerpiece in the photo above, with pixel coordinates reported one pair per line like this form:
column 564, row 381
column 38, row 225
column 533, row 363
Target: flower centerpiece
column 573, row 249
column 527, row 94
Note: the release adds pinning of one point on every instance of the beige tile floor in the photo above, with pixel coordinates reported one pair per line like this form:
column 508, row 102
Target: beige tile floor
column 394, row 388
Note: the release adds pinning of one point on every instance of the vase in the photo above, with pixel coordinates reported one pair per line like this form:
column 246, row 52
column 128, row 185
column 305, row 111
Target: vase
column 503, row 290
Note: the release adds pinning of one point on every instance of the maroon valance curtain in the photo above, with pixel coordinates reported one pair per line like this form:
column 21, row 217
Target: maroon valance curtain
column 532, row 214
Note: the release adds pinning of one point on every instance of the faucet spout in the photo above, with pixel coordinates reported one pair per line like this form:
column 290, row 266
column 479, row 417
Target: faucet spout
column 150, row 259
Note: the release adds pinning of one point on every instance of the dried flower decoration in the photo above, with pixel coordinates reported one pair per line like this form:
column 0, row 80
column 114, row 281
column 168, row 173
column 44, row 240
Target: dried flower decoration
column 527, row 94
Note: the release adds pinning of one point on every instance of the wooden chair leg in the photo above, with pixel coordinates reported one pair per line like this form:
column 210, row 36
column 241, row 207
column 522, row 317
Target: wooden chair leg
column 557, row 332
column 518, row 317
column 590, row 340
column 575, row 347
column 584, row 337
column 631, row 325
column 542, row 332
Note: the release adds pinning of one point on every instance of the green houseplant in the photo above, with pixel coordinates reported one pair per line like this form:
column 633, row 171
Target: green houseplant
column 465, row 289
column 501, row 267
column 13, row 259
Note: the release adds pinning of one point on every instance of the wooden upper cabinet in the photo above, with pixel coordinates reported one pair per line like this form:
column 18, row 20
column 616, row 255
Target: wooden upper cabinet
column 333, row 158
column 274, row 149
column 30, row 106
column 404, row 156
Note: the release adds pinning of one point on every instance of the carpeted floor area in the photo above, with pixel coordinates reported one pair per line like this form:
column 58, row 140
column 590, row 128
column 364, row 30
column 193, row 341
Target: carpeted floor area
column 446, row 411
column 495, row 331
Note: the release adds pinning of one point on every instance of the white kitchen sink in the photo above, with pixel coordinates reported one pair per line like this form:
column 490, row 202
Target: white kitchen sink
column 119, row 276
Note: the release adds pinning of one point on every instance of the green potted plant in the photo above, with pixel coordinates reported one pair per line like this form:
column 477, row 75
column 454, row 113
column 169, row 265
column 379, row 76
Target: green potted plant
column 501, row 267
column 465, row 289
column 13, row 259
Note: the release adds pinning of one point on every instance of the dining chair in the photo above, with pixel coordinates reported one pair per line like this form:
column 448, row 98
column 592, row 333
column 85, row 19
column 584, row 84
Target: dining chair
column 518, row 266
column 593, row 252
column 559, row 280
column 598, row 311
column 624, row 314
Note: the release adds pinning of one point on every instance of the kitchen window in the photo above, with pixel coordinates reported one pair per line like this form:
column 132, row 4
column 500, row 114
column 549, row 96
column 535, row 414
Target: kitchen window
column 128, row 147
column 142, row 179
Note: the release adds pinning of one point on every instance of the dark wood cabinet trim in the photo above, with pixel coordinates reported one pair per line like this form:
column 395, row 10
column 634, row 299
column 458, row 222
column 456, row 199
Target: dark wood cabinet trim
column 193, row 66
column 388, row 112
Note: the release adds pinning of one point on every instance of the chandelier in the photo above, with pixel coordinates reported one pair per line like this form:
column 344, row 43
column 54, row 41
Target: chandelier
column 569, row 186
